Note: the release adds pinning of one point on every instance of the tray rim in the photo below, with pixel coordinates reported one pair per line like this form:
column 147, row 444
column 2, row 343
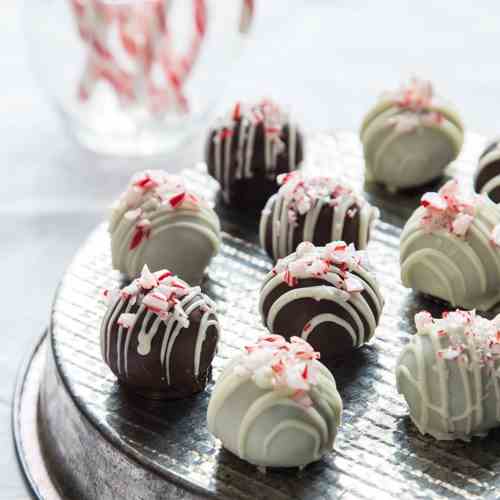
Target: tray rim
column 42, row 487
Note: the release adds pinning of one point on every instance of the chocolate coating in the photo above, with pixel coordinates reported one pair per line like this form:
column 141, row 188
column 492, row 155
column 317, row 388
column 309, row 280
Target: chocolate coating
column 317, row 210
column 172, row 368
column 314, row 309
column 245, row 159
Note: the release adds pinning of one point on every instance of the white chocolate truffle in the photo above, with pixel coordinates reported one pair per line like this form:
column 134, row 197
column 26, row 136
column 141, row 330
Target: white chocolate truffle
column 158, row 222
column 410, row 137
column 276, row 405
column 449, row 375
column 450, row 248
column 316, row 209
column 326, row 295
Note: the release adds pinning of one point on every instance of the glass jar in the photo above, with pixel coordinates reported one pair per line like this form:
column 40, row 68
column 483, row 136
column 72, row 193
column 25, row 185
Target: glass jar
column 135, row 77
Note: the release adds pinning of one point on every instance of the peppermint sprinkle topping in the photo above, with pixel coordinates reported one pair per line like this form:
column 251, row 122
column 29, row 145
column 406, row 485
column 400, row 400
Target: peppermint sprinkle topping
column 450, row 208
column 302, row 194
column 470, row 338
column 336, row 259
column 265, row 112
column 157, row 190
column 416, row 95
column 415, row 98
column 161, row 294
column 274, row 363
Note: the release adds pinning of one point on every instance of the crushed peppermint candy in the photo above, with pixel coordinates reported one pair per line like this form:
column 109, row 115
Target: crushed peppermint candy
column 337, row 259
column 265, row 112
column 160, row 293
column 273, row 363
column 126, row 320
column 301, row 194
column 450, row 208
column 470, row 338
column 153, row 190
column 416, row 99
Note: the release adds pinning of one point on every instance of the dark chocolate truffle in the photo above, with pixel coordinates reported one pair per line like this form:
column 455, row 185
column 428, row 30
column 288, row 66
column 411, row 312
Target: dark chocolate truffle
column 326, row 295
column 316, row 209
column 248, row 149
column 159, row 336
column 487, row 177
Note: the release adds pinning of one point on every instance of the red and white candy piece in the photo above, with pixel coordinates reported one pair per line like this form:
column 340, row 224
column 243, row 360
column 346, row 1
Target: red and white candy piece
column 126, row 320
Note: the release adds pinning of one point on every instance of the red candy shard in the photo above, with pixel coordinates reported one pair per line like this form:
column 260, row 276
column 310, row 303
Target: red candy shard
column 139, row 235
column 237, row 111
column 177, row 200
column 164, row 275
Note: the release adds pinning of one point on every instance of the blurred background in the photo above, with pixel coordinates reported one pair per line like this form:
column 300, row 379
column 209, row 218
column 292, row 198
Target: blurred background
column 327, row 60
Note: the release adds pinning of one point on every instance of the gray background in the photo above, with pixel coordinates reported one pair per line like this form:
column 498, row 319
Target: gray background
column 327, row 59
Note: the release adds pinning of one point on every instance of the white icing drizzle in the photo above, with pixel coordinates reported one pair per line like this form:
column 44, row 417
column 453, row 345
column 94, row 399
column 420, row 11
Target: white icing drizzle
column 243, row 122
column 306, row 198
column 457, row 352
column 330, row 318
column 458, row 248
column 258, row 432
column 333, row 267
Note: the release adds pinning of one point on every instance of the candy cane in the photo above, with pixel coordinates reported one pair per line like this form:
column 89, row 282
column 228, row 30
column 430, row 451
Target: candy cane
column 146, row 39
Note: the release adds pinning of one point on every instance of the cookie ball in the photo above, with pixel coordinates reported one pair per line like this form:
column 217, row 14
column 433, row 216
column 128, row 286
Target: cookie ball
column 448, row 375
column 159, row 336
column 325, row 295
column 159, row 222
column 276, row 405
column 247, row 149
column 316, row 209
column 449, row 248
column 410, row 136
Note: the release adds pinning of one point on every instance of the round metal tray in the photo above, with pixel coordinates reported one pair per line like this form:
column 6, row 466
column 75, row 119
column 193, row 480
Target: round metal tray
column 96, row 442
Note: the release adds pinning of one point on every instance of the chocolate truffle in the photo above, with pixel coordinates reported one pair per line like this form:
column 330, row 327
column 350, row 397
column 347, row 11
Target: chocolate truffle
column 450, row 248
column 448, row 375
column 159, row 336
column 159, row 222
column 487, row 177
column 410, row 136
column 316, row 209
column 326, row 295
column 276, row 405
column 246, row 150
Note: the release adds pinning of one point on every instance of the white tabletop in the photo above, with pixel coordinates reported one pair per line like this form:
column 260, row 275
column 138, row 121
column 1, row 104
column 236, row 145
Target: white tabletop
column 328, row 59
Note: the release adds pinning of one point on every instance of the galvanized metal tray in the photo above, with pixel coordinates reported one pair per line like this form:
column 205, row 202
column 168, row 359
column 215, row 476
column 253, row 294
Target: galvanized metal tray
column 99, row 443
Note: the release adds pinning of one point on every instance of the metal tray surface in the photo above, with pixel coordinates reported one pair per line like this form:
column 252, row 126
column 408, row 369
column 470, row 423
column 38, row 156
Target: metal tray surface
column 378, row 452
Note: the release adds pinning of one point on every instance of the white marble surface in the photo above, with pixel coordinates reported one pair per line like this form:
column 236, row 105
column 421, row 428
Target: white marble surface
column 326, row 58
